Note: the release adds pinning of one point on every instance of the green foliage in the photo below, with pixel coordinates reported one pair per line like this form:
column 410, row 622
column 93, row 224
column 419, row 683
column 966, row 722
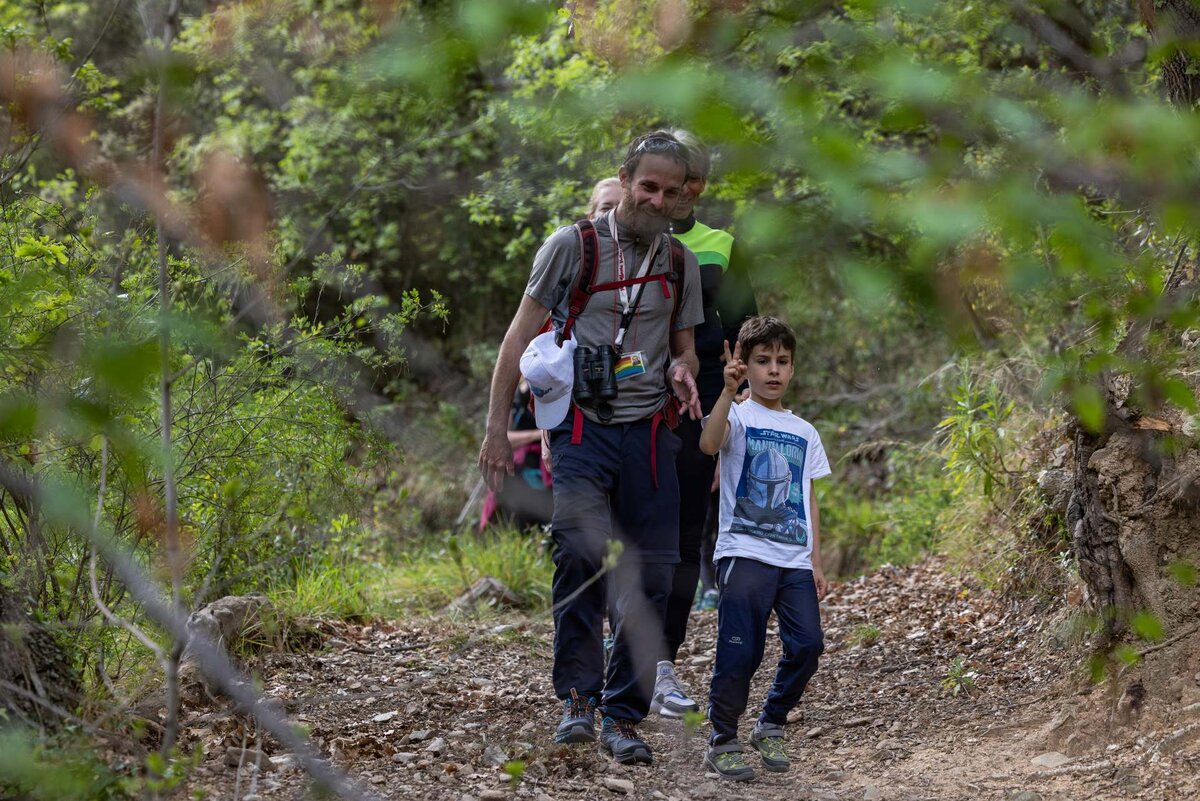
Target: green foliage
column 973, row 435
column 1127, row 655
column 163, row 774
column 865, row 635
column 31, row 770
column 1102, row 663
column 269, row 468
column 1147, row 626
column 515, row 769
column 334, row 586
column 1183, row 572
column 898, row 522
column 692, row 721
column 959, row 678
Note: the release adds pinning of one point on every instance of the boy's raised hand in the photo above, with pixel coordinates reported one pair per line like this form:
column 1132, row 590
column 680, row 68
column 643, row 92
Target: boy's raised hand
column 735, row 369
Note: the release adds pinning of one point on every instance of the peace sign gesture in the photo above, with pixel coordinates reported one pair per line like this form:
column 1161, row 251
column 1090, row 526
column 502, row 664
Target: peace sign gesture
column 735, row 369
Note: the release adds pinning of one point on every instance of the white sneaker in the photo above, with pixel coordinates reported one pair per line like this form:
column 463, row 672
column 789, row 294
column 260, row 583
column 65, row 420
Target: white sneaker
column 670, row 700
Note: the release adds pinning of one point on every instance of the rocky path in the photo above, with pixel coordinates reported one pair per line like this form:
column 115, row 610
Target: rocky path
column 930, row 689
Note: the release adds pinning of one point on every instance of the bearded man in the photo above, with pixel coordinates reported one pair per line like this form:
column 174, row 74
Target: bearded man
column 625, row 350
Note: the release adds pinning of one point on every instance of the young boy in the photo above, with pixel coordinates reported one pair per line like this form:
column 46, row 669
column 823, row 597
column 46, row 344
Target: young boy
column 767, row 555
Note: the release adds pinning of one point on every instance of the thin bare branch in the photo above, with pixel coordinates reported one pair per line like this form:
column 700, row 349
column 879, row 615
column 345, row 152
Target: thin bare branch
column 56, row 709
column 211, row 657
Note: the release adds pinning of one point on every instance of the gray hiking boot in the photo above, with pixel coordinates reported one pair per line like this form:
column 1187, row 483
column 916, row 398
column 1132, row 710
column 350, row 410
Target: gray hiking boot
column 578, row 720
column 729, row 761
column 767, row 740
column 620, row 740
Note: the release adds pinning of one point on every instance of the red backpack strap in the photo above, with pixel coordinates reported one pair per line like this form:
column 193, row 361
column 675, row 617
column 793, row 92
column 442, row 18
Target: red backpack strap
column 581, row 292
column 678, row 264
column 672, row 411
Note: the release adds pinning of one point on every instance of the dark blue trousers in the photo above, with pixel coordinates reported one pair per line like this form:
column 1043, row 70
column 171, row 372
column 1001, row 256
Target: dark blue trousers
column 604, row 492
column 749, row 591
column 695, row 469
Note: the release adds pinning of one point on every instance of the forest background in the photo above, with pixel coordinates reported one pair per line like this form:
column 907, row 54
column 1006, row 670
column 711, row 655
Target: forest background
column 258, row 256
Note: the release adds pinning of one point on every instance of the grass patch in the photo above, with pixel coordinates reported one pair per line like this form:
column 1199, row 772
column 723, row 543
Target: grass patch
column 338, row 589
column 436, row 570
column 865, row 635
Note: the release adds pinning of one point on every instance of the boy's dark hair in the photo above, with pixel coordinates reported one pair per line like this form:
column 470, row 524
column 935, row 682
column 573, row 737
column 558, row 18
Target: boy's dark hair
column 766, row 331
column 661, row 143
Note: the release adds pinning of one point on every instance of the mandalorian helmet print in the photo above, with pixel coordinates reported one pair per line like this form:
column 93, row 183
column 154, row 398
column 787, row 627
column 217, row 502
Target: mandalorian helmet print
column 768, row 480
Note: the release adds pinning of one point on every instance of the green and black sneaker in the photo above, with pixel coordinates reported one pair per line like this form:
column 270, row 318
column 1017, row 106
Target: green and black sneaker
column 729, row 761
column 767, row 740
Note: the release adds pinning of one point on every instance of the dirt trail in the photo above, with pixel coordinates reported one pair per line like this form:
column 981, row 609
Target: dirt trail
column 432, row 709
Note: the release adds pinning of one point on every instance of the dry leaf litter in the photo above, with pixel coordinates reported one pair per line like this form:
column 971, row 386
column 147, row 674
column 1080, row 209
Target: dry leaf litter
column 449, row 709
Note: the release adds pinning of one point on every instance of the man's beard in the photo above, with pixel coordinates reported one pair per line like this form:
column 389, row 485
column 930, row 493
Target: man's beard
column 646, row 224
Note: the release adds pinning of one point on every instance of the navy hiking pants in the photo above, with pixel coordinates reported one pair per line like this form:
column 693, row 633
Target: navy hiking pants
column 749, row 591
column 695, row 469
column 604, row 491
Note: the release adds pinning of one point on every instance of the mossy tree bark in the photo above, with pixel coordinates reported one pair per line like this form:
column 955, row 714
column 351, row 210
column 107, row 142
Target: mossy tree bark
column 1177, row 23
column 37, row 676
column 1135, row 504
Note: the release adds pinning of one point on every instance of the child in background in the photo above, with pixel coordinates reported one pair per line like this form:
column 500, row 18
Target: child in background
column 768, row 555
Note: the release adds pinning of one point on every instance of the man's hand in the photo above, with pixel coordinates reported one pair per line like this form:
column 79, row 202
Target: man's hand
column 684, row 387
column 495, row 459
column 546, row 461
column 495, row 455
column 819, row 580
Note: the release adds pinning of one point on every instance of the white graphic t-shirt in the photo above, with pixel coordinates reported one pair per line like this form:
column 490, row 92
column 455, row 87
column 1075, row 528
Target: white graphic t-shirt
column 768, row 464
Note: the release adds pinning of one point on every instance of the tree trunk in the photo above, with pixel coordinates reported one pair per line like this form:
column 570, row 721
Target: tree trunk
column 1135, row 503
column 1133, row 513
column 1095, row 537
column 36, row 664
column 1176, row 22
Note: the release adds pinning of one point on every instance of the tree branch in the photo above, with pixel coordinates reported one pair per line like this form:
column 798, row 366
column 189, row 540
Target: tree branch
column 59, row 504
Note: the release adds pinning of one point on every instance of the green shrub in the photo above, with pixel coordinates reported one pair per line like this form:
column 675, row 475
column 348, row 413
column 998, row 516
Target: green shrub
column 959, row 679
column 897, row 525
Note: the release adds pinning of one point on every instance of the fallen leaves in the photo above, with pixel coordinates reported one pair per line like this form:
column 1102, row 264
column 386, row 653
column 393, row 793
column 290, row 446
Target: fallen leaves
column 440, row 709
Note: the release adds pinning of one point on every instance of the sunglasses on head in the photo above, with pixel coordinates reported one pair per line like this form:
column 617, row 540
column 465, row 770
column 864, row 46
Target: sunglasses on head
column 658, row 144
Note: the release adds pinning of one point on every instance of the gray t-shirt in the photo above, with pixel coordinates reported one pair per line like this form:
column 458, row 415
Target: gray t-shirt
column 646, row 350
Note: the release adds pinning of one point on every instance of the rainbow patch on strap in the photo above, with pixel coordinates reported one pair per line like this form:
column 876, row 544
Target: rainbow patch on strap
column 629, row 365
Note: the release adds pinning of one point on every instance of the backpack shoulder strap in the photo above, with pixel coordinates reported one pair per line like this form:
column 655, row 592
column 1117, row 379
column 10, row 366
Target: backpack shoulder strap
column 678, row 265
column 581, row 291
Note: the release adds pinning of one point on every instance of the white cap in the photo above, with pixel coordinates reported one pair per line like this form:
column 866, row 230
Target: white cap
column 550, row 372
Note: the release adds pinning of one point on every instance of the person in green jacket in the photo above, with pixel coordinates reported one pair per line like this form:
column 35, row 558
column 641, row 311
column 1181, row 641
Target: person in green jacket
column 728, row 300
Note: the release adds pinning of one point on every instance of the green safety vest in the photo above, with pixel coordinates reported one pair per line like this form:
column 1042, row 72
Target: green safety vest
column 711, row 245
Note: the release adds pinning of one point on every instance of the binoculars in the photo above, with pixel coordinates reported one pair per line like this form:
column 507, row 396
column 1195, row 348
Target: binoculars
column 596, row 379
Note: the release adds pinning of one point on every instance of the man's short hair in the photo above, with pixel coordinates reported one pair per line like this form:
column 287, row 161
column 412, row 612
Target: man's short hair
column 659, row 143
column 767, row 331
column 699, row 158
